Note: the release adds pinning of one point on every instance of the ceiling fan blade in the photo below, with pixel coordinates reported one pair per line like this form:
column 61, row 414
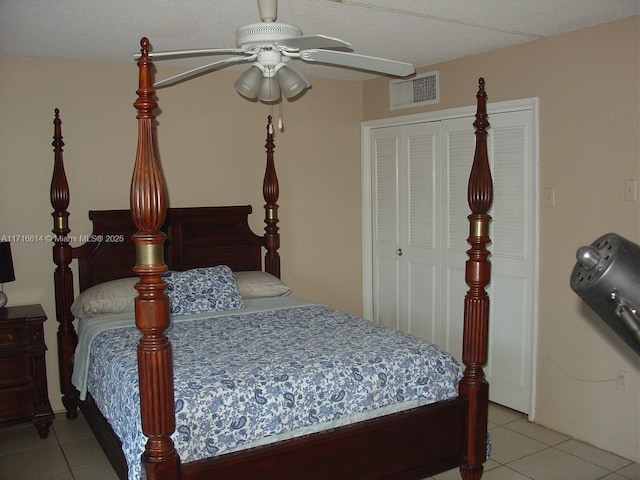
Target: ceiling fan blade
column 360, row 62
column 190, row 53
column 201, row 70
column 313, row 41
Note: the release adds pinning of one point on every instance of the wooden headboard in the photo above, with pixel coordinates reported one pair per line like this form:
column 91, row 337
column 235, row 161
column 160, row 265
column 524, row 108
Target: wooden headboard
column 196, row 237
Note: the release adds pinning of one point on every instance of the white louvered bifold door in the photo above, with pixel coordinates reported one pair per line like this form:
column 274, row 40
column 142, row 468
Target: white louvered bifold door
column 419, row 243
column 385, row 151
column 513, row 252
column 404, row 225
column 459, row 141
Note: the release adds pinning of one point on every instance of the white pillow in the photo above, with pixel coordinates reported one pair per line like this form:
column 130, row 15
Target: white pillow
column 255, row 284
column 115, row 296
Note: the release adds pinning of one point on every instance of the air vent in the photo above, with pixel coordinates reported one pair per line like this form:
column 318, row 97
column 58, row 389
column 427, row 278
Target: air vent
column 421, row 90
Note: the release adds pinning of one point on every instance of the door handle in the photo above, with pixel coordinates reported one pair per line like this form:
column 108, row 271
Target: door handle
column 399, row 252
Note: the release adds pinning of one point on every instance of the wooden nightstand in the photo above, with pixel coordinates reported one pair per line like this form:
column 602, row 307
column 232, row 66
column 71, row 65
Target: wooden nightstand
column 23, row 373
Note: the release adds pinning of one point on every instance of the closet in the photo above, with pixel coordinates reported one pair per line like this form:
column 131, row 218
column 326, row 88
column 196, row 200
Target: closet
column 415, row 172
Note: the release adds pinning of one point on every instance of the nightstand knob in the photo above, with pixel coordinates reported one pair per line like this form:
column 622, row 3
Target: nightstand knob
column 10, row 337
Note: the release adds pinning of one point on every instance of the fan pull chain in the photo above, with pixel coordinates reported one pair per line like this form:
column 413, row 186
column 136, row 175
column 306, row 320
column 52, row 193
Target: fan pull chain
column 280, row 117
column 271, row 116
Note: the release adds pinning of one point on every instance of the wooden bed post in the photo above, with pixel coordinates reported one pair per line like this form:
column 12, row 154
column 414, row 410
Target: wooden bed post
column 63, row 275
column 476, row 304
column 271, row 192
column 148, row 210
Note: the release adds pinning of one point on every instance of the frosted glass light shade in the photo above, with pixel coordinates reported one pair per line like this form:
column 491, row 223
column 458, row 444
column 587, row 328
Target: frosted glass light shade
column 249, row 82
column 269, row 90
column 290, row 82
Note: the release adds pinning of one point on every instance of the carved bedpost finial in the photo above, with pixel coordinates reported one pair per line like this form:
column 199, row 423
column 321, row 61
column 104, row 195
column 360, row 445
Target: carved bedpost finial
column 271, row 192
column 476, row 303
column 145, row 102
column 480, row 190
column 148, row 209
column 63, row 275
column 148, row 189
column 59, row 185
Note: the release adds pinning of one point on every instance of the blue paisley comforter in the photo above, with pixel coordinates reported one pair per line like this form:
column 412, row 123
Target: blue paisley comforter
column 243, row 377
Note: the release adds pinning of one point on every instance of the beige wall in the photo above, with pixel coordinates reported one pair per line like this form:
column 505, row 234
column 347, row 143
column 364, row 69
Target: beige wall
column 587, row 83
column 211, row 144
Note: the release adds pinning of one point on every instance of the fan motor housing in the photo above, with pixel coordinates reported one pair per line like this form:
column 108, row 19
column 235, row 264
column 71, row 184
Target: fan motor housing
column 260, row 34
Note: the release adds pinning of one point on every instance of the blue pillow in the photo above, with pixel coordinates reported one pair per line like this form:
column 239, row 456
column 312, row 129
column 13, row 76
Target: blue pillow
column 202, row 290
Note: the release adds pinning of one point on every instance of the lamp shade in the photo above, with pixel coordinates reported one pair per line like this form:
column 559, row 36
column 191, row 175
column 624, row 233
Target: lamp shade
column 290, row 82
column 249, row 82
column 6, row 263
column 269, row 90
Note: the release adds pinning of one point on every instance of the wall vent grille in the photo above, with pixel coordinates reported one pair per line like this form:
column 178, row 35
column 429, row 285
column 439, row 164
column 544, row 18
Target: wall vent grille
column 418, row 91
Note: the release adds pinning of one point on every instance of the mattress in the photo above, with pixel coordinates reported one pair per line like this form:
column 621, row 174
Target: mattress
column 279, row 367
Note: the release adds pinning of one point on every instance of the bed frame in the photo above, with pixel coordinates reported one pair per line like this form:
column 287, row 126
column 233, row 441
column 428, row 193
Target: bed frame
column 412, row 444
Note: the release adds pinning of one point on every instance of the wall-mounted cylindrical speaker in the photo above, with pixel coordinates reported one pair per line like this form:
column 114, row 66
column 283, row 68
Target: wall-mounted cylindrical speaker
column 607, row 278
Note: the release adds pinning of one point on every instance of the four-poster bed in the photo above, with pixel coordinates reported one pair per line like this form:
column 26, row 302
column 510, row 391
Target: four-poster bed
column 408, row 443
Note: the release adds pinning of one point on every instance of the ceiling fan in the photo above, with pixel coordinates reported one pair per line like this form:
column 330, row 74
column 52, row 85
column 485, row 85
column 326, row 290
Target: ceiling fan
column 272, row 47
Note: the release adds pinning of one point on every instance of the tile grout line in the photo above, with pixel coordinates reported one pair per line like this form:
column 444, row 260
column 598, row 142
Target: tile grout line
column 66, row 460
column 516, row 471
column 548, row 447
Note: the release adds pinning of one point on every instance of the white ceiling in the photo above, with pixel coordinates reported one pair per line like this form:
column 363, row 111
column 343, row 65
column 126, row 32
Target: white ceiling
column 422, row 32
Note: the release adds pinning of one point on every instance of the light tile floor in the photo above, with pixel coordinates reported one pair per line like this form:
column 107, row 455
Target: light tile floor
column 520, row 451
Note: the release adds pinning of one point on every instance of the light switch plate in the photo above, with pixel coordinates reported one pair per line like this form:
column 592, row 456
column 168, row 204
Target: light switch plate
column 549, row 197
column 631, row 190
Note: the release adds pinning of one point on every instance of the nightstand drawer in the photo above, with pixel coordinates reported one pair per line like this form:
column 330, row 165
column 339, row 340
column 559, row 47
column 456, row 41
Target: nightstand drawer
column 14, row 337
column 15, row 370
column 16, row 401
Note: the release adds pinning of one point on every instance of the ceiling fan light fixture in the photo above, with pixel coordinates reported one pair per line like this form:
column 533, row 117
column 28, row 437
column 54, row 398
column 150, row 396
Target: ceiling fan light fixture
column 273, row 47
column 290, row 82
column 269, row 90
column 249, row 82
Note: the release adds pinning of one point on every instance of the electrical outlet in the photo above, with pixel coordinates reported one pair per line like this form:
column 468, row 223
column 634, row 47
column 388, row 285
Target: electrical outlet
column 621, row 381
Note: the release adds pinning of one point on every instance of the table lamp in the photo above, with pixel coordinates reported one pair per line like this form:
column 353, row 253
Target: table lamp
column 6, row 270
